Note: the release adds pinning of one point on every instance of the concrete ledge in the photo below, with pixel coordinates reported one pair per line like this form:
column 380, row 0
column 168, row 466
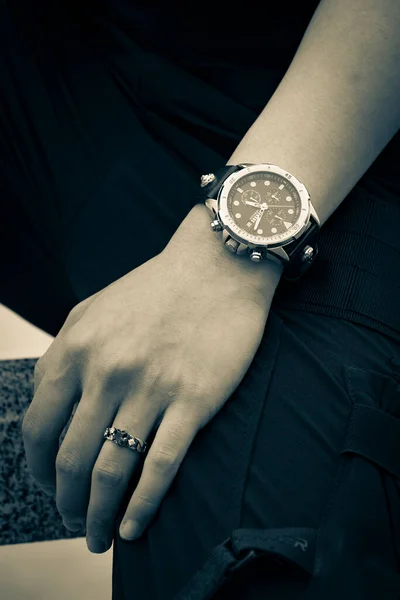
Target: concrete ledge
column 59, row 569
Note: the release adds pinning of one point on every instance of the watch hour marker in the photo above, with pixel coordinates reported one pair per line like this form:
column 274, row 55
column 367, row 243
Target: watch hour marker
column 253, row 184
column 249, row 223
column 266, row 182
column 287, row 225
column 288, row 198
column 240, row 190
column 260, row 231
column 238, row 215
column 290, row 211
column 281, row 186
column 236, row 203
column 274, row 230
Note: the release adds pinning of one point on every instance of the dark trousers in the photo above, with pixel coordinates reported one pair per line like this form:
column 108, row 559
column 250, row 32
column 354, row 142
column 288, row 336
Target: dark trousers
column 100, row 157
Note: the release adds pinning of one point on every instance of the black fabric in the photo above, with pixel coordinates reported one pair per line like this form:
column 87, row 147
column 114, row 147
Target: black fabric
column 336, row 546
column 103, row 137
column 296, row 546
column 355, row 275
column 301, row 464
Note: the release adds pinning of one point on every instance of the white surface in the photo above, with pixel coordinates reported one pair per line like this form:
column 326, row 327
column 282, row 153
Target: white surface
column 52, row 570
column 19, row 338
column 55, row 570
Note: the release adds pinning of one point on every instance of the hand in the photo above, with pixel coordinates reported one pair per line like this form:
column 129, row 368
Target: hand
column 256, row 204
column 160, row 349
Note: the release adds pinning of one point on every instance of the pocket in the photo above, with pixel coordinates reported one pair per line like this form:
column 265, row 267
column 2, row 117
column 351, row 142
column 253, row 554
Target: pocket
column 355, row 551
column 358, row 542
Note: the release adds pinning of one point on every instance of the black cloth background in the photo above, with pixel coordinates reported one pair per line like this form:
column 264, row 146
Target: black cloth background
column 118, row 100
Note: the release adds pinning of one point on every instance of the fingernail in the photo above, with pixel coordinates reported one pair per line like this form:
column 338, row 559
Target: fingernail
column 96, row 545
column 130, row 530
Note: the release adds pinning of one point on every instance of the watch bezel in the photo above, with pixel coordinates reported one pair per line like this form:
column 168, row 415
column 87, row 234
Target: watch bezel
column 281, row 239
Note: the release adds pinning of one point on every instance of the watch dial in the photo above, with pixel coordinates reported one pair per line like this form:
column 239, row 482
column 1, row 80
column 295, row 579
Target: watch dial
column 264, row 204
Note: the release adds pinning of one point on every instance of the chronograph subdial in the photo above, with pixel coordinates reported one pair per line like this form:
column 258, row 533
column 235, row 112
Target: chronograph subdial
column 279, row 212
column 251, row 197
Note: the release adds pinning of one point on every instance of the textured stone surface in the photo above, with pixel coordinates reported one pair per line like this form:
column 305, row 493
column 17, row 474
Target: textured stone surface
column 26, row 513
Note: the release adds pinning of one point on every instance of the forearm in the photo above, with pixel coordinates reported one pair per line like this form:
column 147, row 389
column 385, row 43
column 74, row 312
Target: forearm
column 338, row 104
column 332, row 114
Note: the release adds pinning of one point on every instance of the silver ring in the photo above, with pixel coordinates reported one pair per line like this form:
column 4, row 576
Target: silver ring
column 124, row 439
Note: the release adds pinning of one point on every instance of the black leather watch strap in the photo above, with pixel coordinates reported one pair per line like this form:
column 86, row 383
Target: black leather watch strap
column 211, row 190
column 295, row 250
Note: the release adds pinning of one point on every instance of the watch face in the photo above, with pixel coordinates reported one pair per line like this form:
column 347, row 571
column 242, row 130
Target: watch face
column 264, row 205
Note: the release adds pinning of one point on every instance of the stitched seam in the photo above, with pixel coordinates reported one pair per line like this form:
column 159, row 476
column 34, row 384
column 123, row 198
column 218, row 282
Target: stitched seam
column 255, row 438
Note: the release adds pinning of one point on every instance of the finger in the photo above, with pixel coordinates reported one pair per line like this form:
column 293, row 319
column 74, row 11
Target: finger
column 113, row 470
column 165, row 456
column 44, row 422
column 78, row 453
column 43, row 363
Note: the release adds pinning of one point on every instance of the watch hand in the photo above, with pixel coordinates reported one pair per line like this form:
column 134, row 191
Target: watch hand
column 259, row 219
column 286, row 223
column 256, row 204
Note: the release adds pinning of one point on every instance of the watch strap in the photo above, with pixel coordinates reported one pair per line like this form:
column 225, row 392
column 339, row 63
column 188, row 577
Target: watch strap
column 295, row 251
column 211, row 189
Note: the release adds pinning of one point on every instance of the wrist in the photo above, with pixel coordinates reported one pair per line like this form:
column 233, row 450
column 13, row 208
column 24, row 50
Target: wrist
column 205, row 250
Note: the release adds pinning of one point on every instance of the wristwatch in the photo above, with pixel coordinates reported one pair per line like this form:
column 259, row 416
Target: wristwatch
column 265, row 212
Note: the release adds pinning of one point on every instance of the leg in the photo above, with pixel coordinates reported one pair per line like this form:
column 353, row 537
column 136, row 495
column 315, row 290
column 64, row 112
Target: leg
column 269, row 459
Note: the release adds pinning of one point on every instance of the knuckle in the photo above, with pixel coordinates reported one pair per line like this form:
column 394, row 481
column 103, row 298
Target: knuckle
column 38, row 373
column 76, row 311
column 31, row 430
column 165, row 459
column 68, row 464
column 75, row 341
column 107, row 475
column 145, row 504
column 113, row 370
column 38, row 370
column 98, row 522
column 156, row 377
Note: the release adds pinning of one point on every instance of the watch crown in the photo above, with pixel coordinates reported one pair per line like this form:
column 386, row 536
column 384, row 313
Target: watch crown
column 308, row 254
column 216, row 225
column 206, row 179
column 256, row 256
column 231, row 245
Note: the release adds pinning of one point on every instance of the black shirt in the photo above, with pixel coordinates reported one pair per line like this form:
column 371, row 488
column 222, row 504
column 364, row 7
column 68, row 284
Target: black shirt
column 225, row 45
column 190, row 67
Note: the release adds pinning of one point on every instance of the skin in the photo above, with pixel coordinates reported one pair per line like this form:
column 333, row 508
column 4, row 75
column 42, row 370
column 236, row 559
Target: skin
column 166, row 352
column 146, row 352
